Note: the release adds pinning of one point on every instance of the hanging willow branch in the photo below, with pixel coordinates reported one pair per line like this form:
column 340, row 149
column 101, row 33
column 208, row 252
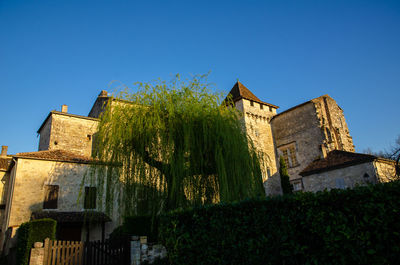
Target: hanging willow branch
column 172, row 145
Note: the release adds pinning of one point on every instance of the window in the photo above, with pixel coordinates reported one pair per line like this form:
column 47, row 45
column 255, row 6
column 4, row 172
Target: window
column 340, row 183
column 261, row 106
column 289, row 155
column 293, row 157
column 90, row 198
column 251, row 103
column 297, row 186
column 366, row 176
column 286, row 157
column 51, row 197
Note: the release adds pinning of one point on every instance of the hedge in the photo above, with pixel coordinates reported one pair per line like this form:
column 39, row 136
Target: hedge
column 138, row 226
column 359, row 226
column 31, row 232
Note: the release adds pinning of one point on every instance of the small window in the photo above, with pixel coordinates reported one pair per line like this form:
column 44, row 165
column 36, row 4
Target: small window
column 51, row 197
column 297, row 186
column 270, row 109
column 366, row 176
column 251, row 103
column 340, row 183
column 261, row 106
column 90, row 198
column 89, row 137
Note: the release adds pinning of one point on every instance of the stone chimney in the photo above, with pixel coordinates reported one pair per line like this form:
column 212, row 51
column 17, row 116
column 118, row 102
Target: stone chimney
column 103, row 93
column 4, row 149
column 64, row 108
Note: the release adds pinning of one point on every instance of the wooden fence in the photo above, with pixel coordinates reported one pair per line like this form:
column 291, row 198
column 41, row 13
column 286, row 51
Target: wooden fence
column 57, row 252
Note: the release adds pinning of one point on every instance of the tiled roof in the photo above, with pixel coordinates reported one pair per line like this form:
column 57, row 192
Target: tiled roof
column 4, row 162
column 239, row 91
column 72, row 217
column 58, row 155
column 336, row 159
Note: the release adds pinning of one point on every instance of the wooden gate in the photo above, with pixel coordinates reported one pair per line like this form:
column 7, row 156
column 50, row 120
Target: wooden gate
column 58, row 252
column 109, row 252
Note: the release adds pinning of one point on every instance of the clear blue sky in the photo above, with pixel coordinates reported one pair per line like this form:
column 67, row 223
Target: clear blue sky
column 285, row 52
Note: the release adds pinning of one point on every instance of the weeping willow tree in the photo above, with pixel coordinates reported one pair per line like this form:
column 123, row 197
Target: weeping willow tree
column 170, row 145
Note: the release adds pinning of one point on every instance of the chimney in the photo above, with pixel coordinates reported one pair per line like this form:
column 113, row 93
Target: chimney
column 4, row 149
column 103, row 93
column 64, row 108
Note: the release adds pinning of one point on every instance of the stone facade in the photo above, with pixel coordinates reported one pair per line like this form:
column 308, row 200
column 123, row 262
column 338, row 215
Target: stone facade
column 349, row 177
column 256, row 118
column 309, row 131
column 29, row 178
column 341, row 178
column 63, row 131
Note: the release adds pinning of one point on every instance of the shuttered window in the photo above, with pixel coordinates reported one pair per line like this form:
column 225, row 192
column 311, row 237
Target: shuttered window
column 51, row 197
column 90, row 198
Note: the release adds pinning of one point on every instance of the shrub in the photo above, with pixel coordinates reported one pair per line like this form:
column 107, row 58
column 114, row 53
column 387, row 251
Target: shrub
column 31, row 232
column 139, row 226
column 359, row 226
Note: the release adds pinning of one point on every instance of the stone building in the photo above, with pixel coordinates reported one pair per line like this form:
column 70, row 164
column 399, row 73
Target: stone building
column 341, row 169
column 310, row 137
column 300, row 135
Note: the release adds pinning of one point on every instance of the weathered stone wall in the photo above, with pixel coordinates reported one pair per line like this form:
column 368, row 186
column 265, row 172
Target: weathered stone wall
column 257, row 124
column 313, row 129
column 385, row 170
column 298, row 127
column 29, row 190
column 347, row 177
column 72, row 133
column 333, row 125
column 44, row 140
column 99, row 105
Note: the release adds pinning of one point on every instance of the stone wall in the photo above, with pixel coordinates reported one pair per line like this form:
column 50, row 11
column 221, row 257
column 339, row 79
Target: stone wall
column 333, row 125
column 311, row 129
column 385, row 170
column 68, row 132
column 347, row 177
column 257, row 123
column 298, row 128
column 31, row 177
column 45, row 131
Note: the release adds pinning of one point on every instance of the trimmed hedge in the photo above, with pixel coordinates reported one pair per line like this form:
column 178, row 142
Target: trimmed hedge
column 138, row 226
column 31, row 232
column 359, row 226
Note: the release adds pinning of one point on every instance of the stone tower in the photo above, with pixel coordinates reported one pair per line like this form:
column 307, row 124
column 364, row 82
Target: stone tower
column 256, row 118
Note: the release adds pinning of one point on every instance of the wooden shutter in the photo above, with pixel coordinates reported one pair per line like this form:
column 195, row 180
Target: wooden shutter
column 51, row 197
column 90, row 198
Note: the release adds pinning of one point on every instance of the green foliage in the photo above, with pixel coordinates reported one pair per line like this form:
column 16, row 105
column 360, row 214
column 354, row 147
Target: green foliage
column 171, row 145
column 359, row 226
column 31, row 232
column 138, row 226
column 287, row 188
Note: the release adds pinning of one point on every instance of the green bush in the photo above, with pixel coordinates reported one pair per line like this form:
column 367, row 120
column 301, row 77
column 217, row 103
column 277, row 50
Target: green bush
column 359, row 226
column 138, row 226
column 31, row 232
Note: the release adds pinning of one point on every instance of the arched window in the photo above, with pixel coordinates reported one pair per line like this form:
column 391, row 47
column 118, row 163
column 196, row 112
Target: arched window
column 366, row 176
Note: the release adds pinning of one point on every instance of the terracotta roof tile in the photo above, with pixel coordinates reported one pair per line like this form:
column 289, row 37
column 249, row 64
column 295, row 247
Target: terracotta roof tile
column 239, row 91
column 58, row 155
column 336, row 159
